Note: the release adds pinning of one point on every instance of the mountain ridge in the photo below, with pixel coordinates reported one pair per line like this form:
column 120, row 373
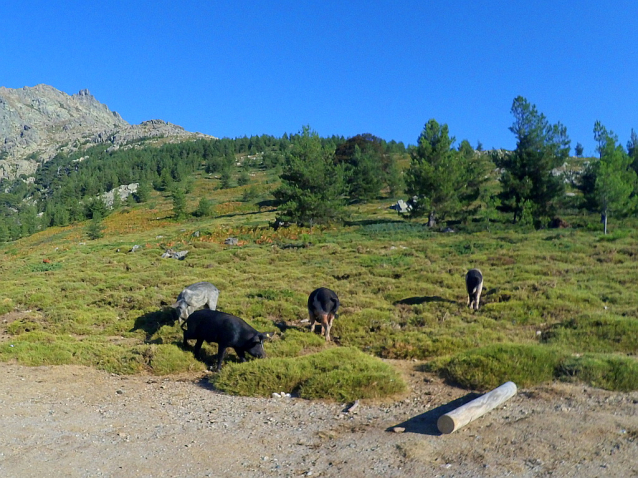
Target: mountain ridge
column 39, row 122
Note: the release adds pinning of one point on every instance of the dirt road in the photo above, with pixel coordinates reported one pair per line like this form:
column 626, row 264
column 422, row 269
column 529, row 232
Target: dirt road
column 79, row 422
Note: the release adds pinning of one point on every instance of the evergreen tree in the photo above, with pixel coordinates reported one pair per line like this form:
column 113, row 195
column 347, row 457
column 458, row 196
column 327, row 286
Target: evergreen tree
column 477, row 173
column 143, row 192
column 243, row 178
column 179, row 203
column 394, row 179
column 540, row 148
column 614, row 179
column 368, row 167
column 488, row 207
column 4, row 230
column 365, row 176
column 250, row 194
column 60, row 216
column 77, row 211
column 14, row 229
column 96, row 206
column 165, row 182
column 117, row 200
column 312, row 186
column 95, row 228
column 437, row 174
column 204, row 208
column 226, row 180
column 578, row 150
column 632, row 149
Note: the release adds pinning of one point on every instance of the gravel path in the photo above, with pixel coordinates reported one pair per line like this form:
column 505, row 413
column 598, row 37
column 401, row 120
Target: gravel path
column 79, row 422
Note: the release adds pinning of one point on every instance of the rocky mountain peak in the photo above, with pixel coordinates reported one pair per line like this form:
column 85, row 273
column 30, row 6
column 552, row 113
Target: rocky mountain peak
column 38, row 122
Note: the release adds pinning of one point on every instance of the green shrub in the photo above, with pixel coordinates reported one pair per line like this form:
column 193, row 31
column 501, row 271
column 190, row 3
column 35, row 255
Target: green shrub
column 601, row 333
column 45, row 267
column 488, row 367
column 40, row 348
column 611, row 372
column 340, row 373
column 6, row 305
column 294, row 342
column 166, row 359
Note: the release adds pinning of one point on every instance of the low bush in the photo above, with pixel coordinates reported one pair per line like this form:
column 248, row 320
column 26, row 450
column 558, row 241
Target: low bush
column 602, row 333
column 611, row 372
column 40, row 348
column 342, row 373
column 488, row 367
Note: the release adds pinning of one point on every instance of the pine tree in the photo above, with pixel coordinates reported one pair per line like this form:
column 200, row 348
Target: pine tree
column 165, row 182
column 226, row 179
column 614, row 179
column 243, row 178
column 179, row 203
column 143, row 192
column 365, row 175
column 117, row 200
column 540, row 148
column 368, row 165
column 313, row 187
column 204, row 208
column 437, row 174
column 4, row 230
column 632, row 149
column 95, row 228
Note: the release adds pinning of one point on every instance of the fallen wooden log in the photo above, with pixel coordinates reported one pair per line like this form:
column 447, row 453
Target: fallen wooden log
column 476, row 408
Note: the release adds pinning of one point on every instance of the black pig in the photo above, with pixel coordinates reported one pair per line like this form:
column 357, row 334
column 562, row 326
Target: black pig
column 322, row 307
column 225, row 330
column 474, row 286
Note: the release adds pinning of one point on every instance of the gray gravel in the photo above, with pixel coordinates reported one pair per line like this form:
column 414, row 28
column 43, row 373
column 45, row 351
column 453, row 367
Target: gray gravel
column 75, row 421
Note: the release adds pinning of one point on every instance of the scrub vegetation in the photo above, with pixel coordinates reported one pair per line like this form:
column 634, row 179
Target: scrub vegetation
column 91, row 287
column 557, row 304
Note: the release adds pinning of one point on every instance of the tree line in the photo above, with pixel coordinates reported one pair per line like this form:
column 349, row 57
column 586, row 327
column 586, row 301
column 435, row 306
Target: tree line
column 446, row 181
column 67, row 188
column 320, row 176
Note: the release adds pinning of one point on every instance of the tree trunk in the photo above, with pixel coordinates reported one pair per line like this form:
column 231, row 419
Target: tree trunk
column 603, row 219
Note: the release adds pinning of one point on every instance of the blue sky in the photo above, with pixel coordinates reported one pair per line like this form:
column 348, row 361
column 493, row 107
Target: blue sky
column 254, row 67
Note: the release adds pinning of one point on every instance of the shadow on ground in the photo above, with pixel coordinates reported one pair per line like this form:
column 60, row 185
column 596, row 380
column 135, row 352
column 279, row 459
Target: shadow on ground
column 425, row 424
column 423, row 300
column 374, row 222
column 151, row 322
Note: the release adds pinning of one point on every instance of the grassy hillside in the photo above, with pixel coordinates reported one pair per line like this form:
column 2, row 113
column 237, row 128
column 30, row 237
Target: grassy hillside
column 557, row 303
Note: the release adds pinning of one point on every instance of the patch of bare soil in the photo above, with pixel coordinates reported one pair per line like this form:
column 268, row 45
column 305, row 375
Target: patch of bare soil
column 76, row 421
column 10, row 317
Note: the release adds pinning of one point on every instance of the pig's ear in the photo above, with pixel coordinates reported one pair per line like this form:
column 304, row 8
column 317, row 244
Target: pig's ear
column 265, row 335
column 258, row 338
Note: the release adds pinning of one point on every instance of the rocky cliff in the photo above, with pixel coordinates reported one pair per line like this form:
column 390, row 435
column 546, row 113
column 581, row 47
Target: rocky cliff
column 38, row 122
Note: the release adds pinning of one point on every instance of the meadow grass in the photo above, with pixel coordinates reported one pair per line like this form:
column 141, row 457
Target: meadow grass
column 549, row 295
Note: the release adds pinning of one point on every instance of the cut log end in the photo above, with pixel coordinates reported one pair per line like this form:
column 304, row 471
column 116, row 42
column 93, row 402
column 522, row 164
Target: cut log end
column 445, row 424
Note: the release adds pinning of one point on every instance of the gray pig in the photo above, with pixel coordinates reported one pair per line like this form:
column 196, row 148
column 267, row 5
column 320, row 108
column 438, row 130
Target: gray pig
column 474, row 286
column 195, row 296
